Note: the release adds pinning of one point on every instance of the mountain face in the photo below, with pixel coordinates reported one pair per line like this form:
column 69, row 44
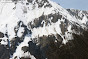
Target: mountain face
column 79, row 14
column 42, row 29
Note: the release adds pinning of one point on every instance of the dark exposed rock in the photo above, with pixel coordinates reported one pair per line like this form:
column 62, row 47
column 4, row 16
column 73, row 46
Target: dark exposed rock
column 30, row 1
column 77, row 13
column 15, row 57
column 14, row 42
column 44, row 41
column 1, row 35
column 24, row 58
column 80, row 48
column 26, row 30
column 75, row 49
column 27, row 3
column 59, row 38
column 77, row 28
column 0, row 40
column 38, row 22
column 14, row 0
column 41, row 4
column 63, row 27
column 46, row 47
column 35, row 50
column 24, row 48
column 4, row 52
column 48, row 5
column 55, row 17
column 45, row 19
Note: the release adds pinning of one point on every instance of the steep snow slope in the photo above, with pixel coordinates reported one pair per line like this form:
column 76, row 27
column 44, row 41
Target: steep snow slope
column 79, row 14
column 29, row 28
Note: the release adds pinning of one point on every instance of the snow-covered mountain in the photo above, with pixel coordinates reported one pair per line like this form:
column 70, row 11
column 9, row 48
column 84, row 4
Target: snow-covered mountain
column 42, row 29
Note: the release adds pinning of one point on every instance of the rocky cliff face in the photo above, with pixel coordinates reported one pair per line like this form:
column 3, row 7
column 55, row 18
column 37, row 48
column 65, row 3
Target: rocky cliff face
column 42, row 29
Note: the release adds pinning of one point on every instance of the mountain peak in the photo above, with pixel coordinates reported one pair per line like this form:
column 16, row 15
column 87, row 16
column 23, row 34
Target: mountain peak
column 41, row 29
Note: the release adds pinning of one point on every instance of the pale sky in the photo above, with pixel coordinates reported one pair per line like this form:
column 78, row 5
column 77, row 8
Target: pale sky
column 75, row 4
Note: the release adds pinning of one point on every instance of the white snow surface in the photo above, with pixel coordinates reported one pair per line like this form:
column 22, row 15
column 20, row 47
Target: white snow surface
column 20, row 32
column 20, row 53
